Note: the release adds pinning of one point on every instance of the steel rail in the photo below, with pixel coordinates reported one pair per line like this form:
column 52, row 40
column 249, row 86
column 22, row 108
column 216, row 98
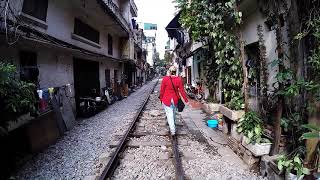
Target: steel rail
column 114, row 160
column 177, row 163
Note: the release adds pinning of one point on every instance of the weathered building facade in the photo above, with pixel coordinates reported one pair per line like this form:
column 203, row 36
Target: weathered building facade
column 68, row 49
column 84, row 44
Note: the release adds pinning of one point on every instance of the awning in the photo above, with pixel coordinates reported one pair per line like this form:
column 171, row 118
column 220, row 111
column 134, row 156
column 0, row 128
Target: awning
column 174, row 29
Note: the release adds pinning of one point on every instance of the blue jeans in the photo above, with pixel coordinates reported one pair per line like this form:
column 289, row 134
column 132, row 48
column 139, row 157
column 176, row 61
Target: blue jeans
column 171, row 116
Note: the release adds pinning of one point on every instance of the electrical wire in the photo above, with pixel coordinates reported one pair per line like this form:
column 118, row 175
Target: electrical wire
column 5, row 18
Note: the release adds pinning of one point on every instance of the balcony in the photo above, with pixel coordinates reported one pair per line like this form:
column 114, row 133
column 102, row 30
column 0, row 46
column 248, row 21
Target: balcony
column 138, row 37
column 114, row 11
column 127, row 48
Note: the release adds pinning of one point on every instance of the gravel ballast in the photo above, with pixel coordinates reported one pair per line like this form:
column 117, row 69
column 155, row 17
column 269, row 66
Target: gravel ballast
column 199, row 159
column 76, row 153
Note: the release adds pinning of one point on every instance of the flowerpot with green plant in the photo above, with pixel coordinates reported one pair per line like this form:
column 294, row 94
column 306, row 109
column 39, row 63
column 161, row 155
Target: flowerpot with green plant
column 16, row 97
column 292, row 166
column 251, row 126
column 233, row 115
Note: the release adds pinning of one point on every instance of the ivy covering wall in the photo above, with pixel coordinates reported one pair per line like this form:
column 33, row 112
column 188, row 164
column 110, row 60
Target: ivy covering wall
column 214, row 23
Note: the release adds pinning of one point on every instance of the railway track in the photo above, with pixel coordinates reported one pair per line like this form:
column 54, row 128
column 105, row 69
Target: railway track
column 146, row 143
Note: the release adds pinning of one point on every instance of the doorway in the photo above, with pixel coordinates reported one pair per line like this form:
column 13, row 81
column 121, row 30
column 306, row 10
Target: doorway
column 107, row 77
column 86, row 78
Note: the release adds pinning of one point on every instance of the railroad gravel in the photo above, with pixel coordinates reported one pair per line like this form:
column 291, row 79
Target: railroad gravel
column 74, row 155
column 145, row 163
column 152, row 138
column 201, row 161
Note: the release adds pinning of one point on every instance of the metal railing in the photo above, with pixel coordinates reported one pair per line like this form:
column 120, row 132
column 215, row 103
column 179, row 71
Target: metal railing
column 138, row 37
column 116, row 11
column 134, row 6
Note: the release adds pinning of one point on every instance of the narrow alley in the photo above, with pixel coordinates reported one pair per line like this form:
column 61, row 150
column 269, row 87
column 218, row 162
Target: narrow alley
column 150, row 89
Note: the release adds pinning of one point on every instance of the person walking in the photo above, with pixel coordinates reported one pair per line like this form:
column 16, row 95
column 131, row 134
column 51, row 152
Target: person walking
column 171, row 86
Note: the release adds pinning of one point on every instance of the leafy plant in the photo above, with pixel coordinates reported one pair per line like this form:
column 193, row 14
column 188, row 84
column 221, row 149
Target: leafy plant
column 292, row 122
column 214, row 23
column 294, row 164
column 314, row 132
column 16, row 97
column 251, row 126
column 236, row 103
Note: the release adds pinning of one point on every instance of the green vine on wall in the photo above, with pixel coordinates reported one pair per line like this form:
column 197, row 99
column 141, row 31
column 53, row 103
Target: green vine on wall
column 216, row 22
column 263, row 67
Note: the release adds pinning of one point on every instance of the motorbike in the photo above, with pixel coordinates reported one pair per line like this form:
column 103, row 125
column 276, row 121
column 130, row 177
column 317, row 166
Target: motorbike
column 195, row 91
column 91, row 105
column 108, row 92
column 190, row 90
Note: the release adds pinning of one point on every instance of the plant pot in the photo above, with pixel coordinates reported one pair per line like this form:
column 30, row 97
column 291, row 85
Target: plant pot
column 231, row 114
column 257, row 149
column 21, row 120
column 290, row 176
column 213, row 107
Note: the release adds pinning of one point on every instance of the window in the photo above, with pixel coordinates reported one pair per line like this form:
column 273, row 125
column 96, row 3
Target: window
column 107, row 77
column 86, row 31
column 29, row 71
column 28, row 59
column 36, row 8
column 110, row 42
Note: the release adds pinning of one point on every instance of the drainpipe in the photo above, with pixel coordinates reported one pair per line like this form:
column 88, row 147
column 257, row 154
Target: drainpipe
column 220, row 87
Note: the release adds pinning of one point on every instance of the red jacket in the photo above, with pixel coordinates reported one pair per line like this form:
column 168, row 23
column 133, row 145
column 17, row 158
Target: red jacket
column 167, row 92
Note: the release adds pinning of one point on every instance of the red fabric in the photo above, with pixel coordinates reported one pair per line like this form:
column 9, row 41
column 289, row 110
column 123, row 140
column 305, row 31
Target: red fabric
column 167, row 92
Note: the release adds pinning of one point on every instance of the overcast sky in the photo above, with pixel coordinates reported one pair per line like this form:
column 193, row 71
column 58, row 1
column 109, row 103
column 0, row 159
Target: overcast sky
column 159, row 12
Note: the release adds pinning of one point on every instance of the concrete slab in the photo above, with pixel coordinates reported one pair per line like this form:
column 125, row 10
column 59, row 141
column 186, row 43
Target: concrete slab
column 215, row 138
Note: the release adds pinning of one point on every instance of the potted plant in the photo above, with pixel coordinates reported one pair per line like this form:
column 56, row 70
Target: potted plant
column 16, row 97
column 293, row 167
column 252, row 127
column 233, row 109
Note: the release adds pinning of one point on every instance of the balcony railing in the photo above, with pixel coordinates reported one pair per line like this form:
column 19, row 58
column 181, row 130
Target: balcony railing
column 134, row 7
column 138, row 37
column 113, row 8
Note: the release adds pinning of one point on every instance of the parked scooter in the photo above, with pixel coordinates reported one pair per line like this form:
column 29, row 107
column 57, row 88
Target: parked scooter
column 90, row 105
column 108, row 92
column 195, row 91
column 199, row 91
column 189, row 90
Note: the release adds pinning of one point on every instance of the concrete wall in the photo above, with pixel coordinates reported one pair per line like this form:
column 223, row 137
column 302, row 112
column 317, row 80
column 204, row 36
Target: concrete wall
column 150, row 50
column 56, row 65
column 55, row 68
column 60, row 23
column 111, row 66
column 249, row 29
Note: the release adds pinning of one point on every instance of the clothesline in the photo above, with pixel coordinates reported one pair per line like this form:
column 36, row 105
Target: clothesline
column 46, row 95
column 52, row 90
